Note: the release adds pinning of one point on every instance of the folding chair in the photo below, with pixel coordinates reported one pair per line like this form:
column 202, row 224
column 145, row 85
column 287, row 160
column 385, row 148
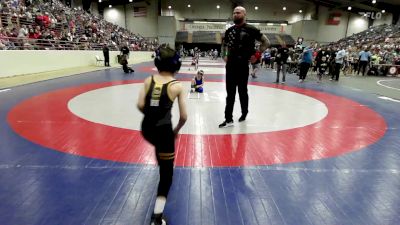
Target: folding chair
column 98, row 60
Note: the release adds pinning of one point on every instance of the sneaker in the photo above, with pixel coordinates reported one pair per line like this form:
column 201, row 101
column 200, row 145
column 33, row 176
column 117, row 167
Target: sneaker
column 226, row 124
column 283, row 82
column 242, row 118
column 330, row 79
column 300, row 80
column 158, row 219
column 163, row 222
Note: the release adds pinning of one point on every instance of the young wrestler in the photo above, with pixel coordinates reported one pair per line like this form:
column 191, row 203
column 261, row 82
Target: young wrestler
column 198, row 82
column 155, row 101
column 195, row 61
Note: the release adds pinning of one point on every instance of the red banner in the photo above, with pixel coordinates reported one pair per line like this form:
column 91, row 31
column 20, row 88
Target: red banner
column 334, row 18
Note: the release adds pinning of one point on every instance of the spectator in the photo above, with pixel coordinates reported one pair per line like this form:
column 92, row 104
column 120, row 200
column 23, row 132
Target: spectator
column 305, row 63
column 339, row 59
column 364, row 59
column 106, row 53
column 281, row 62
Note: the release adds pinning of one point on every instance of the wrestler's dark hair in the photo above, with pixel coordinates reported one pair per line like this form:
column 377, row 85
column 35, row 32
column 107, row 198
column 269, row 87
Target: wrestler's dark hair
column 167, row 60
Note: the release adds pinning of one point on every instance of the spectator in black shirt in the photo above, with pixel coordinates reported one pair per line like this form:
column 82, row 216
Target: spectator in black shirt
column 106, row 53
column 273, row 57
column 322, row 67
column 332, row 57
column 321, row 53
column 238, row 49
column 124, row 59
column 125, row 51
column 281, row 62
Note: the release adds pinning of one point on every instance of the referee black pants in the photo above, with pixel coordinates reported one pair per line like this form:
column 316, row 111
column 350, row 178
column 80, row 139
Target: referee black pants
column 237, row 75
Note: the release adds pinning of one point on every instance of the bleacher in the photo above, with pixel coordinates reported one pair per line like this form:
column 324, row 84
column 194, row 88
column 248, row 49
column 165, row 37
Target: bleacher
column 45, row 25
column 383, row 42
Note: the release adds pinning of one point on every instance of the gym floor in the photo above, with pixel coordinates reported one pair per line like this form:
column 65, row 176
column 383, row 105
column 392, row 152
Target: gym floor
column 71, row 152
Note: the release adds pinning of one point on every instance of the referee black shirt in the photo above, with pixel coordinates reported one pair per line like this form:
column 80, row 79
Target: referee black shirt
column 240, row 41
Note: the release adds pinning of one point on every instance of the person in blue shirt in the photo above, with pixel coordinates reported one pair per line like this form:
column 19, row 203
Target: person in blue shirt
column 266, row 58
column 305, row 63
column 364, row 59
column 339, row 60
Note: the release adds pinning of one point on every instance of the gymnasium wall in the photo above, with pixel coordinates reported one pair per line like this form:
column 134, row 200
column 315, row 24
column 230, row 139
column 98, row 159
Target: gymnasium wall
column 167, row 30
column 312, row 30
column 19, row 62
column 146, row 26
column 116, row 15
column 349, row 24
column 387, row 18
column 267, row 10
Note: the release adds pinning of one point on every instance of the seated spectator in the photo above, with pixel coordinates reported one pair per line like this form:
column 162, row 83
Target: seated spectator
column 56, row 17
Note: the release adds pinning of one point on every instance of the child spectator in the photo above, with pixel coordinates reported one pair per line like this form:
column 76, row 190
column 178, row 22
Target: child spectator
column 256, row 65
column 322, row 68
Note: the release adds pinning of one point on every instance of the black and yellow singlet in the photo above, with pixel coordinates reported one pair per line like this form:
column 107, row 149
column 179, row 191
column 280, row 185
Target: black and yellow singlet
column 158, row 104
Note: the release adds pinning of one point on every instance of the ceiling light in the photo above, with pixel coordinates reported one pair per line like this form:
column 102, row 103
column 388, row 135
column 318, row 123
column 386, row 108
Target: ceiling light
column 383, row 11
column 373, row 1
column 349, row 8
column 217, row 6
column 169, row 7
column 130, row 0
column 256, row 8
column 99, row 0
column 189, row 6
column 109, row 6
column 300, row 11
column 284, row 8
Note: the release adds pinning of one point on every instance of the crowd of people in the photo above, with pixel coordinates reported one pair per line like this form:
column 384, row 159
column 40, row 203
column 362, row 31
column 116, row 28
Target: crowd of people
column 41, row 24
column 371, row 52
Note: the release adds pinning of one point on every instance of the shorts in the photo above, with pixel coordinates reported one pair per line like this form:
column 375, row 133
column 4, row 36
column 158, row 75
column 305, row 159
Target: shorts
column 162, row 137
column 255, row 66
column 200, row 90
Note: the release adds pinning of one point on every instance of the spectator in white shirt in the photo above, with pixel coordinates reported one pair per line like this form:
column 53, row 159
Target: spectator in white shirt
column 338, row 63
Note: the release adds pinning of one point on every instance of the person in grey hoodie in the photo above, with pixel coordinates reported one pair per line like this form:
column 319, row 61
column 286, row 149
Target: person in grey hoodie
column 339, row 59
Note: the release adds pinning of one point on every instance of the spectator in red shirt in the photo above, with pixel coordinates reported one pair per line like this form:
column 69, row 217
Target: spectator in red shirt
column 256, row 65
column 46, row 19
